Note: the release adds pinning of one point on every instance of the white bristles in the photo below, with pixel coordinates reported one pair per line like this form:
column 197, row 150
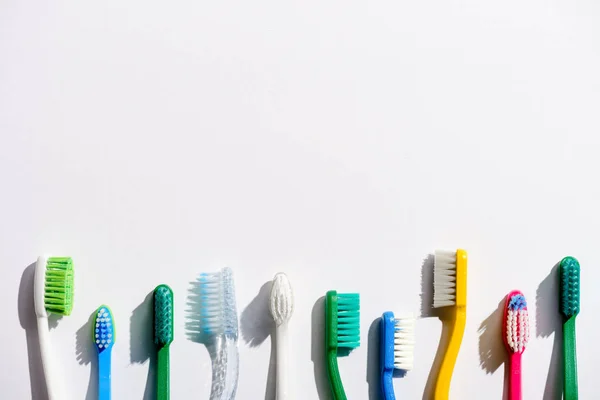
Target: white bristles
column 444, row 278
column 404, row 342
column 517, row 330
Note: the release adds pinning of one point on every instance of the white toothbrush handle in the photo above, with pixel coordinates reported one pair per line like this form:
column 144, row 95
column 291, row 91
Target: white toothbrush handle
column 281, row 342
column 50, row 372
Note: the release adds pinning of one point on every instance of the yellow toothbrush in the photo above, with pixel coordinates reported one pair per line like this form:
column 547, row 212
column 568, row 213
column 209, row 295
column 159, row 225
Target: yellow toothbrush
column 450, row 295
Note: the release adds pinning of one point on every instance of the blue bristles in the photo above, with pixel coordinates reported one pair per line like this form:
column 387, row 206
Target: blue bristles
column 517, row 302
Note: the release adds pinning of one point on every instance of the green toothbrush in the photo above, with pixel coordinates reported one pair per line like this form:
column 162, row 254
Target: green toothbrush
column 163, row 337
column 342, row 332
column 569, row 308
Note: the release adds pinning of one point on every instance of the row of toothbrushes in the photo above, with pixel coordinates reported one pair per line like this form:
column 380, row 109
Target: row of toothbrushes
column 397, row 334
column 217, row 328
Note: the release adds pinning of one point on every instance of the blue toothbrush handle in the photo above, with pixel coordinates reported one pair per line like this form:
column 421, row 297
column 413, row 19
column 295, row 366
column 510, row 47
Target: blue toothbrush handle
column 104, row 374
column 387, row 384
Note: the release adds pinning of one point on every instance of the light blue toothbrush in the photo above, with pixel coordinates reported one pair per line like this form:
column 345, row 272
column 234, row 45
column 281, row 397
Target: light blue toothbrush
column 104, row 339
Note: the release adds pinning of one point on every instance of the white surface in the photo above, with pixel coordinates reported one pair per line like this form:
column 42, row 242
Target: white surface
column 339, row 142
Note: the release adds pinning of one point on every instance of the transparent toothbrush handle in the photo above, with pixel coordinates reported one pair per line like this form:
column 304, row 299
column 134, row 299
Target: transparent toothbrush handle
column 225, row 368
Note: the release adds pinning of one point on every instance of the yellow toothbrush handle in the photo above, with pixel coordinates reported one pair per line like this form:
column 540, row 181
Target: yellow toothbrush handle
column 456, row 325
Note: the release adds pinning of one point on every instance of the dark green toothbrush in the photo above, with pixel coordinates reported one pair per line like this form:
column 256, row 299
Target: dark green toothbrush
column 569, row 308
column 163, row 337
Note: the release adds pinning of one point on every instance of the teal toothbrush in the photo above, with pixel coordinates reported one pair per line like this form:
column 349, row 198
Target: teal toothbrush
column 163, row 337
column 104, row 339
column 569, row 308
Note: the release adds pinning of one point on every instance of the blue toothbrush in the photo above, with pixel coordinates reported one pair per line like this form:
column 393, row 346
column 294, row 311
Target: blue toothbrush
column 397, row 344
column 104, row 339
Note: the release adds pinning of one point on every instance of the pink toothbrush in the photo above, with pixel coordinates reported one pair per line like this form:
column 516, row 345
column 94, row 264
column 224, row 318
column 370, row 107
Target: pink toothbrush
column 515, row 335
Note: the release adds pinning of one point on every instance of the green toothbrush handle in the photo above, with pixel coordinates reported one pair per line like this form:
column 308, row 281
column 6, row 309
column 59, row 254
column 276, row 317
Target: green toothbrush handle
column 570, row 357
column 162, row 375
column 335, row 380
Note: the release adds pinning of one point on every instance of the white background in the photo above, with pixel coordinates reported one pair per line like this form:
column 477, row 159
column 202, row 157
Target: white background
column 340, row 142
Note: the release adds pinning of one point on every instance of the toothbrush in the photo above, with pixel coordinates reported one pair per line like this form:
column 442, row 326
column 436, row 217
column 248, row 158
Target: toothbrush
column 219, row 326
column 342, row 331
column 397, row 344
column 163, row 337
column 53, row 294
column 104, row 339
column 569, row 308
column 282, row 307
column 515, row 336
column 450, row 294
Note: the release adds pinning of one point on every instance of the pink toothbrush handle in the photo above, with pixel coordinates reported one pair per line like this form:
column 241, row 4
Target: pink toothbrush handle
column 515, row 377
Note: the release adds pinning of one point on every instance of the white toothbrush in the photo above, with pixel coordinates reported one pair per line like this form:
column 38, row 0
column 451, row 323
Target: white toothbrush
column 282, row 308
column 52, row 294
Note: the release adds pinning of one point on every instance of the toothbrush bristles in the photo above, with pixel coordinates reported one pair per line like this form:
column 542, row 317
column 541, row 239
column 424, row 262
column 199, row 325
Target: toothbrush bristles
column 404, row 342
column 444, row 278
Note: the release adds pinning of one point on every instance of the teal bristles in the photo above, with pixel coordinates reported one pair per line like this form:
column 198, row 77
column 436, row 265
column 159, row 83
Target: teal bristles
column 348, row 320
column 163, row 315
column 569, row 287
column 59, row 284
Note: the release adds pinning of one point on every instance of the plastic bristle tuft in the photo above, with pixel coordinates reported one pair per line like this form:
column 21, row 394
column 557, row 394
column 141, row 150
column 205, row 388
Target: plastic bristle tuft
column 218, row 310
column 348, row 321
column 404, row 342
column 59, row 285
column 569, row 287
column 516, row 325
column 163, row 315
column 104, row 329
column 444, row 279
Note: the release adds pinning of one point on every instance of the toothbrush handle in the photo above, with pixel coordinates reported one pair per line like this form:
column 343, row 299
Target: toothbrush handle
column 515, row 377
column 104, row 374
column 387, row 384
column 570, row 357
column 50, row 372
column 456, row 325
column 333, row 371
column 281, row 342
column 162, row 379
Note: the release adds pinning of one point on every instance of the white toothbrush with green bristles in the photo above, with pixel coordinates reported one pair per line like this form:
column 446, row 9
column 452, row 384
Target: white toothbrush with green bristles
column 52, row 294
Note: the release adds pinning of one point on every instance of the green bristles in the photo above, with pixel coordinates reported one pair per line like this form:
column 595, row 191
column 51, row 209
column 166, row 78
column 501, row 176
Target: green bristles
column 348, row 320
column 569, row 287
column 58, row 289
column 163, row 315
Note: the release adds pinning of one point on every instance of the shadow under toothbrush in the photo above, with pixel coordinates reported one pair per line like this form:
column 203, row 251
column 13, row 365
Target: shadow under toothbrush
column 256, row 325
column 373, row 356
column 256, row 322
column 549, row 323
column 492, row 352
column 318, row 349
column 28, row 321
column 142, row 348
column 86, row 354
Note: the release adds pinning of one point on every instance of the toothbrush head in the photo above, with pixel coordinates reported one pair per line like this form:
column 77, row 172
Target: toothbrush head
column 397, row 342
column 516, row 322
column 569, row 287
column 281, row 302
column 450, row 278
column 218, row 310
column 163, row 315
column 104, row 329
column 342, row 315
column 54, row 286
